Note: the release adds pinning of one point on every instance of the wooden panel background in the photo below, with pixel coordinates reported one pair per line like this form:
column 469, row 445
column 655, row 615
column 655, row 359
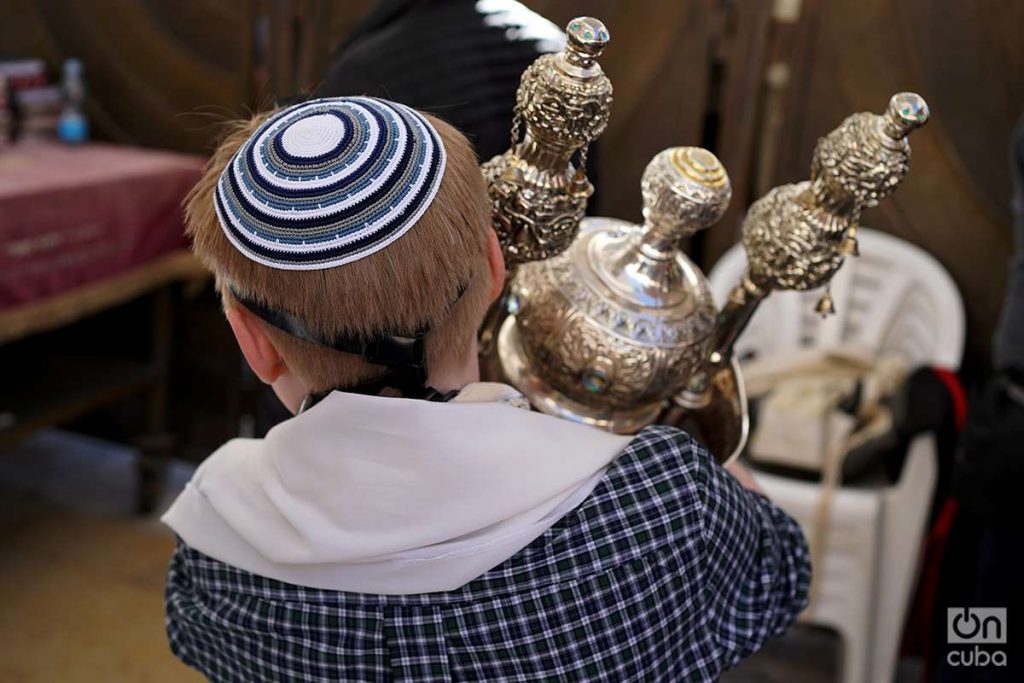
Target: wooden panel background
column 967, row 59
column 160, row 73
column 682, row 72
column 164, row 72
column 300, row 35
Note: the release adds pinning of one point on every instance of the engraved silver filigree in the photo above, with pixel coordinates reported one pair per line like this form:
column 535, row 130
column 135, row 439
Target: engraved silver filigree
column 563, row 102
column 607, row 331
column 793, row 235
column 797, row 236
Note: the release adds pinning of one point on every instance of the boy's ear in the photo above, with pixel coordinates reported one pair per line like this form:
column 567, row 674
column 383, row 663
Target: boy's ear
column 496, row 261
column 259, row 351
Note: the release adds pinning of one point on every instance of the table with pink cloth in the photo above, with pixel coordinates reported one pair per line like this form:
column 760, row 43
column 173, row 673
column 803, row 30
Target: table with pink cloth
column 75, row 218
column 84, row 230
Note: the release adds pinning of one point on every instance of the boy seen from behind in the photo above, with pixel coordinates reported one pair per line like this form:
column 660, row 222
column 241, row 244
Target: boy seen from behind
column 411, row 522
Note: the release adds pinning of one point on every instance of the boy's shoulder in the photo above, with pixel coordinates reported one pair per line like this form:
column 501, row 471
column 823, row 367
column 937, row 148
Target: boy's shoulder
column 661, row 466
column 649, row 503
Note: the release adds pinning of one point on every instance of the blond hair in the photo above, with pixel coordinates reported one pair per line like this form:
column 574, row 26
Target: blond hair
column 414, row 283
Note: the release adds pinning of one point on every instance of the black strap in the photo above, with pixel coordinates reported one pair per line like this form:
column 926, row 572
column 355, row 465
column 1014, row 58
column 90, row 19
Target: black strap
column 405, row 356
column 393, row 350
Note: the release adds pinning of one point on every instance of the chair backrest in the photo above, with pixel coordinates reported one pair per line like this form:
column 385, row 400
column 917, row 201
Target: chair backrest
column 894, row 298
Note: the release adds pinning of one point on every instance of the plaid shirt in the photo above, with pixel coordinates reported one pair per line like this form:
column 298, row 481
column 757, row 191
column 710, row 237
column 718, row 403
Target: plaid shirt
column 668, row 571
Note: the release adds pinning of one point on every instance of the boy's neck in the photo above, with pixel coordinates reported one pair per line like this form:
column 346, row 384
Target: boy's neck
column 453, row 377
column 456, row 377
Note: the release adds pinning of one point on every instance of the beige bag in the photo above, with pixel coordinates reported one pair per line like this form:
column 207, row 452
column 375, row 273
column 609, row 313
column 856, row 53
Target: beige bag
column 801, row 425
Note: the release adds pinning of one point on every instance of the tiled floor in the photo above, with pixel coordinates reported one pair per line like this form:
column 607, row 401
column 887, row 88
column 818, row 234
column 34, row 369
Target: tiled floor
column 81, row 578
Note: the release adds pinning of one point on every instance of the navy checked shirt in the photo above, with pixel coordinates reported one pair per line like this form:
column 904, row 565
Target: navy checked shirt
column 668, row 571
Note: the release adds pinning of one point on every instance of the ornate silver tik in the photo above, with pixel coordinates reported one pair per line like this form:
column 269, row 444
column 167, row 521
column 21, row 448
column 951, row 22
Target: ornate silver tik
column 796, row 237
column 607, row 331
column 606, row 327
column 563, row 102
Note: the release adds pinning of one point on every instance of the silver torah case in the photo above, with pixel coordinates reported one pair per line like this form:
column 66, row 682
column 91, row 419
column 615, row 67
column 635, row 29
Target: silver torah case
column 605, row 332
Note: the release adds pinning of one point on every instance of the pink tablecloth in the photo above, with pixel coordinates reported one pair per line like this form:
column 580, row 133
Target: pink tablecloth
column 70, row 216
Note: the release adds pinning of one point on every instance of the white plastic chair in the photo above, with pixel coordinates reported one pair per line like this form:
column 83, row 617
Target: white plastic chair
column 894, row 298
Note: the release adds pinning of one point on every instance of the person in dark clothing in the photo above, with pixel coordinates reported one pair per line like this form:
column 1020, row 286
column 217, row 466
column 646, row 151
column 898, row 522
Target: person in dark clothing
column 984, row 551
column 1008, row 354
column 460, row 60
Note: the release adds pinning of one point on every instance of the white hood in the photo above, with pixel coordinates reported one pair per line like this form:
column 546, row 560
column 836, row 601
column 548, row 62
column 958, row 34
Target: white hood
column 391, row 496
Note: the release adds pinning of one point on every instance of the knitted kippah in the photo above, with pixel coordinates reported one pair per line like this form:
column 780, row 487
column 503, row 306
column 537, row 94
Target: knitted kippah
column 329, row 181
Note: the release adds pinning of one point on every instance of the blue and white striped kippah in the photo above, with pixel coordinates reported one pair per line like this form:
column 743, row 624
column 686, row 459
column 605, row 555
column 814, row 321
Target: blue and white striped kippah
column 329, row 181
